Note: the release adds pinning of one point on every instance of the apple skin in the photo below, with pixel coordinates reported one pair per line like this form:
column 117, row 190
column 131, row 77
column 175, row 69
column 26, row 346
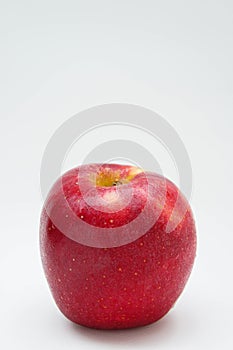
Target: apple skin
column 125, row 286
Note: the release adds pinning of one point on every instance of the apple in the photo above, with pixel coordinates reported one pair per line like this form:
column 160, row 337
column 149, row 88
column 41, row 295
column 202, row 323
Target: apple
column 117, row 245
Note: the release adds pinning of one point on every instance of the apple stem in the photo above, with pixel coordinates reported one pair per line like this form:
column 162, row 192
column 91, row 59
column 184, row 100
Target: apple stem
column 116, row 183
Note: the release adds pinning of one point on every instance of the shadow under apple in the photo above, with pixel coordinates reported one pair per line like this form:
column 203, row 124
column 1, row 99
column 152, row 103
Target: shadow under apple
column 156, row 332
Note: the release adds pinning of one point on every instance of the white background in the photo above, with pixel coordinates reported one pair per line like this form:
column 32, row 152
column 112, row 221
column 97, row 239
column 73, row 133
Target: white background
column 60, row 57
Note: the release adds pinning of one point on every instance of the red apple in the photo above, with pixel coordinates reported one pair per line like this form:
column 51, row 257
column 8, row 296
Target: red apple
column 117, row 245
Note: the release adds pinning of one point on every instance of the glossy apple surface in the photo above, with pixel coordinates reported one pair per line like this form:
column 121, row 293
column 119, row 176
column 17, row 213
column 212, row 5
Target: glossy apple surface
column 122, row 278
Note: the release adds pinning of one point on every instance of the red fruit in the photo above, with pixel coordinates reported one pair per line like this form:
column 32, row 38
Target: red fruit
column 117, row 245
